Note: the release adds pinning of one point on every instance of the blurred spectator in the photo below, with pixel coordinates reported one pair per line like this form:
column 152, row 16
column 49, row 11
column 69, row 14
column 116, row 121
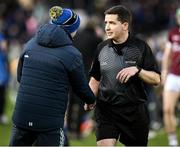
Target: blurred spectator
column 171, row 80
column 4, row 76
column 86, row 41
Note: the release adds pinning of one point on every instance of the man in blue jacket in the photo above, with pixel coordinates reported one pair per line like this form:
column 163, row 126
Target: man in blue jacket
column 48, row 66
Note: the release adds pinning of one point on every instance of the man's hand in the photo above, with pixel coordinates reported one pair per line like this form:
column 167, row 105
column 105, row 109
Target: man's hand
column 88, row 107
column 124, row 75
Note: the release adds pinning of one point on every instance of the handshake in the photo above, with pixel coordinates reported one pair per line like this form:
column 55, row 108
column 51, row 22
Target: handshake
column 88, row 107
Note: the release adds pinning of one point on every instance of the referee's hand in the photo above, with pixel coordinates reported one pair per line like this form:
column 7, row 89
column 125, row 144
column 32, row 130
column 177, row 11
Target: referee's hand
column 124, row 75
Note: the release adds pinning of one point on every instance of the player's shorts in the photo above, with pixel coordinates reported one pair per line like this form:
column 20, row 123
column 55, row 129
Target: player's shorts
column 172, row 83
column 23, row 137
column 129, row 124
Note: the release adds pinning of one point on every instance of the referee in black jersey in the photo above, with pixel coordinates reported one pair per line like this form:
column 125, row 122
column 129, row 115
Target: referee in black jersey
column 120, row 67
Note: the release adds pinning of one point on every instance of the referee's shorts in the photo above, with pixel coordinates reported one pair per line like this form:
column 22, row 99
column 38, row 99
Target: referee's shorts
column 129, row 124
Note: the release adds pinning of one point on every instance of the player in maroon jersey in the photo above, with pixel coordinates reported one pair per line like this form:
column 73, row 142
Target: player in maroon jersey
column 171, row 80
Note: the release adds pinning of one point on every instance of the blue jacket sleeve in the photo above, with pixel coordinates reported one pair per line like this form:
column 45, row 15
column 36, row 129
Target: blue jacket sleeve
column 79, row 82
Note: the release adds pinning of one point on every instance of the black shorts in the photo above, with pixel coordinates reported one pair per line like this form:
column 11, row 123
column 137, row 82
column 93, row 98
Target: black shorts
column 23, row 137
column 129, row 124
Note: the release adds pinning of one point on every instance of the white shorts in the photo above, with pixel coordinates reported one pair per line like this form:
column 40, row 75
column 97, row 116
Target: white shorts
column 172, row 83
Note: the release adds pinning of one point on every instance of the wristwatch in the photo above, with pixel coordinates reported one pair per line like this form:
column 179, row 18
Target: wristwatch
column 139, row 70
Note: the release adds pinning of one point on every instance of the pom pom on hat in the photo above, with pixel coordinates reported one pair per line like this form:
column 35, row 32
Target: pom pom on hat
column 65, row 18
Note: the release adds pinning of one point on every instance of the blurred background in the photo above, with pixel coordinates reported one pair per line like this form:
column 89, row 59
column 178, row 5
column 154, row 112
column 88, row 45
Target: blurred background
column 19, row 20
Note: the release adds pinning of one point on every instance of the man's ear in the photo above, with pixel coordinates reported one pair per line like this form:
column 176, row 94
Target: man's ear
column 73, row 34
column 125, row 26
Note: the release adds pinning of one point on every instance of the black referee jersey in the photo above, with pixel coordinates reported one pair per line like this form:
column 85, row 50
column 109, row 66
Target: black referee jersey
column 110, row 59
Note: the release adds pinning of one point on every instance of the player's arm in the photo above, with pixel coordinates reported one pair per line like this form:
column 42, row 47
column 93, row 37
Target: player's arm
column 165, row 61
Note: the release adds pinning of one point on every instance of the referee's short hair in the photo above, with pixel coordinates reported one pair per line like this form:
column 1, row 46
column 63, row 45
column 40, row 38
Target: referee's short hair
column 124, row 15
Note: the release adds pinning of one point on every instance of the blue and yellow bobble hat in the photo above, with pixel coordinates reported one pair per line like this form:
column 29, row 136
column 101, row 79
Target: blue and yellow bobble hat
column 64, row 17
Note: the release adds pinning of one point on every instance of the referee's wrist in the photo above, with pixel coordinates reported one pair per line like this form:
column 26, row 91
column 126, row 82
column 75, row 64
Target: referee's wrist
column 139, row 70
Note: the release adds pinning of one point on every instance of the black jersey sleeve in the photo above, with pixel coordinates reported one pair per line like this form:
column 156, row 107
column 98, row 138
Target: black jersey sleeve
column 95, row 67
column 149, row 62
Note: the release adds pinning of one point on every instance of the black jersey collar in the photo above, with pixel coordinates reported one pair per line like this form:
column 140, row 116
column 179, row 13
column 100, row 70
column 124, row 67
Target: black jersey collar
column 111, row 44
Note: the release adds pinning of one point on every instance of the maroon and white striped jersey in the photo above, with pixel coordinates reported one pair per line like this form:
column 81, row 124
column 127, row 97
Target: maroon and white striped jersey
column 174, row 42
